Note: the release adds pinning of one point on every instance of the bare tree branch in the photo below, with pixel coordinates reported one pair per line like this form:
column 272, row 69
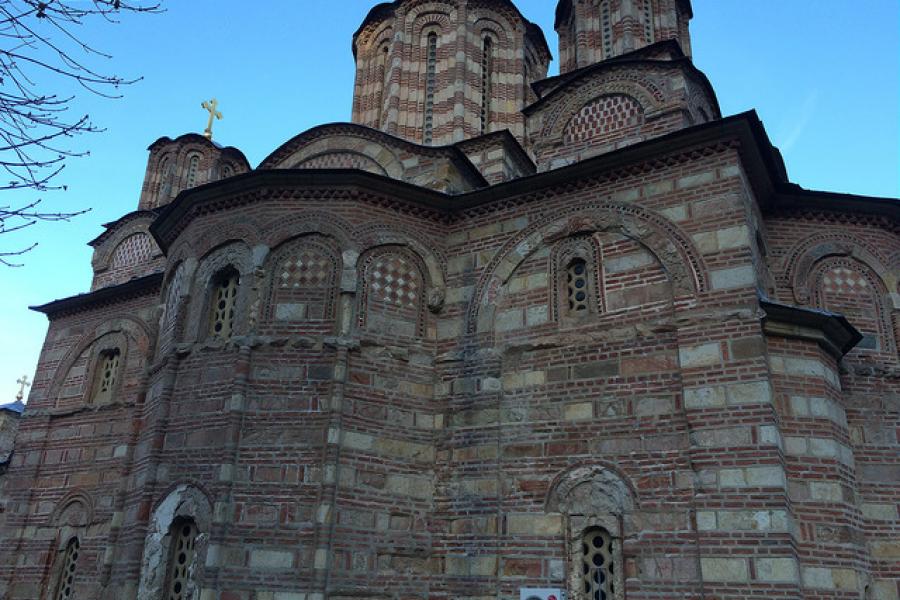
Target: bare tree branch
column 41, row 44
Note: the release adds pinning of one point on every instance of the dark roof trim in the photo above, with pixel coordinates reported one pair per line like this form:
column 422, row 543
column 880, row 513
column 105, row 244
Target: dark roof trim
column 508, row 141
column 451, row 152
column 830, row 330
column 761, row 161
column 113, row 225
column 114, row 294
column 196, row 138
column 386, row 10
column 17, row 407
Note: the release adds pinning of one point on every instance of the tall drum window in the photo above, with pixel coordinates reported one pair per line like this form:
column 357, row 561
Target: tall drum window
column 184, row 542
column 107, row 375
column 65, row 588
column 430, row 81
column 597, row 564
column 606, row 26
column 193, row 168
column 380, row 73
column 487, row 68
column 648, row 21
column 577, row 283
column 224, row 299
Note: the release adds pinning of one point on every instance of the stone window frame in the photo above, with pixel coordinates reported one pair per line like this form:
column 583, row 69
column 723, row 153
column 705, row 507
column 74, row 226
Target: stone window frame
column 179, row 574
column 184, row 502
column 382, row 53
column 166, row 171
column 595, row 496
column 221, row 276
column 581, row 248
column 647, row 19
column 59, row 570
column 604, row 14
column 102, row 369
column 115, row 341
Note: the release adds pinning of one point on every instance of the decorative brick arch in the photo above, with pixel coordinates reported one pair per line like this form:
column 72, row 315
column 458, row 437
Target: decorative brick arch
column 672, row 248
column 221, row 234
column 236, row 255
column 371, row 237
column 182, row 501
column 75, row 509
column 299, row 151
column 609, row 115
column 111, row 241
column 801, row 260
column 278, row 231
column 615, row 83
column 135, row 330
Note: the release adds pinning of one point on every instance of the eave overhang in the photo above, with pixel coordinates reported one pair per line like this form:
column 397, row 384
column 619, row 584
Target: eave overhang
column 115, row 294
column 124, row 219
column 761, row 161
column 832, row 331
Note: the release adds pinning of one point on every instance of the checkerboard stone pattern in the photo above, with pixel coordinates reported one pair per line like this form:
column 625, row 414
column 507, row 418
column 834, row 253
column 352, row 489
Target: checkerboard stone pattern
column 395, row 281
column 603, row 117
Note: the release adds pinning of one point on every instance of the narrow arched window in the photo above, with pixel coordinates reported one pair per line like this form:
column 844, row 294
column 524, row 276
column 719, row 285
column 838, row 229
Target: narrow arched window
column 181, row 557
column 193, row 169
column 648, row 21
column 166, row 174
column 107, row 375
column 606, row 28
column 380, row 73
column 224, row 300
column 597, row 564
column 577, row 287
column 227, row 171
column 430, row 82
column 66, row 584
column 487, row 68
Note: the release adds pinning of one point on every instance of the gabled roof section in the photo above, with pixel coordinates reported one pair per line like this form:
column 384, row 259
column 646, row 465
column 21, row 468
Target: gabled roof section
column 115, row 294
column 395, row 157
column 112, row 226
column 664, row 53
column 17, row 407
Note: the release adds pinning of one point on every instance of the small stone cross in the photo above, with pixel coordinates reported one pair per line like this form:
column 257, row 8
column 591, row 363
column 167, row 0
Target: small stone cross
column 211, row 107
column 23, row 383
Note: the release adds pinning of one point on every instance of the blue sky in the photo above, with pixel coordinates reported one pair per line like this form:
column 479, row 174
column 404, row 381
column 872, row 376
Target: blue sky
column 823, row 75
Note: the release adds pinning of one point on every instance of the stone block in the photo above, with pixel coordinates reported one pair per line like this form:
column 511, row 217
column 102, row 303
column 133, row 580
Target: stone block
column 735, row 277
column 777, row 570
column 704, row 397
column 730, row 570
column 581, row 411
column 534, row 524
column 271, row 559
column 702, row 355
column 648, row 407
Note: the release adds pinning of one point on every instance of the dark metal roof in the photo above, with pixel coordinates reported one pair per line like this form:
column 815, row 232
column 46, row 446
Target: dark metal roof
column 831, row 330
column 140, row 286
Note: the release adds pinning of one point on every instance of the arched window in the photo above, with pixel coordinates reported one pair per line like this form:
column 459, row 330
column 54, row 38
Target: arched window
column 181, row 557
column 166, row 174
column 193, row 168
column 606, row 29
column 224, row 300
column 65, row 586
column 487, row 68
column 577, row 288
column 597, row 564
column 107, row 375
column 380, row 73
column 430, row 81
column 647, row 17
column 227, row 171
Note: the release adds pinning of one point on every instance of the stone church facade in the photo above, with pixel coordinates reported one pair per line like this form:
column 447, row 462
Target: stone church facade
column 502, row 331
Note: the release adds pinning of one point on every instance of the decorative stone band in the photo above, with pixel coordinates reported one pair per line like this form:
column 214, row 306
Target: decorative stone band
column 832, row 331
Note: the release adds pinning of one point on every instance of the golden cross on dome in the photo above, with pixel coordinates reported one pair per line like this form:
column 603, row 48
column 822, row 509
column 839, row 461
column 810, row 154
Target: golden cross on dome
column 23, row 383
column 211, row 107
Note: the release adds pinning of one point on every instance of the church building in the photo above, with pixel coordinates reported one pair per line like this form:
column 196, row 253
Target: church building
column 503, row 336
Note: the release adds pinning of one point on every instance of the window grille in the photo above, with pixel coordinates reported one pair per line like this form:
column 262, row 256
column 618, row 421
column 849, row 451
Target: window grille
column 607, row 30
column 430, row 80
column 597, row 565
column 184, row 542
column 64, row 590
column 193, row 167
column 577, row 282
column 223, row 305
column 487, row 67
column 107, row 375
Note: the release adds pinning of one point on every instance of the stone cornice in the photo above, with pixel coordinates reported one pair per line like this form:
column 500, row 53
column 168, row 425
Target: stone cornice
column 830, row 330
column 115, row 294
